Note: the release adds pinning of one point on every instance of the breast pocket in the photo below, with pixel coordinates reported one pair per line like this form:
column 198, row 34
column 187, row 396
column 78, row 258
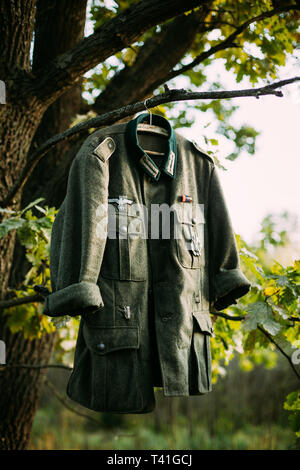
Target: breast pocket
column 125, row 255
column 189, row 236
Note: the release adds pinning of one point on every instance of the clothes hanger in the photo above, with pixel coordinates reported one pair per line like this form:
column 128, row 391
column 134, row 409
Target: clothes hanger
column 152, row 129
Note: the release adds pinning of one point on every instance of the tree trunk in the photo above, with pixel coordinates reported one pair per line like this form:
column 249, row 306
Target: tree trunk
column 27, row 125
column 20, row 388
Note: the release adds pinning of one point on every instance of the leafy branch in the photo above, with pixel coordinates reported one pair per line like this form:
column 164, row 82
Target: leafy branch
column 66, row 405
column 229, row 41
column 272, row 340
column 113, row 116
column 37, row 366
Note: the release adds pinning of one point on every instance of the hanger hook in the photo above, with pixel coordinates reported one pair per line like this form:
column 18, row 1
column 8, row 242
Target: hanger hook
column 150, row 114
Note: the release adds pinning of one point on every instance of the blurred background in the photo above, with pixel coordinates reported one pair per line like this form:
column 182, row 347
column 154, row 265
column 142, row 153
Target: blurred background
column 255, row 402
column 259, row 170
column 244, row 411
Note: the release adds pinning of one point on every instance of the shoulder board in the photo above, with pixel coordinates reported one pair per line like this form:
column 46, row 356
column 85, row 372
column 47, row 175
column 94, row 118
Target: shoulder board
column 105, row 149
column 203, row 152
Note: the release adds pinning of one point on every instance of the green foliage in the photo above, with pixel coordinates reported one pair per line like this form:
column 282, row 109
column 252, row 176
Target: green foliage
column 267, row 310
column 292, row 404
column 103, row 11
column 272, row 300
column 263, row 46
column 270, row 235
column 34, row 235
column 261, row 314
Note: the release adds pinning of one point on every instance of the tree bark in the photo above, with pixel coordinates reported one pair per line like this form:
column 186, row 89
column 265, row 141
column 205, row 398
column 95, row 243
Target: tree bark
column 15, row 38
column 21, row 388
column 58, row 27
column 51, row 81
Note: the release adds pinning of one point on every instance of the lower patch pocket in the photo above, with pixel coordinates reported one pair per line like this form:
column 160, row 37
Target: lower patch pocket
column 115, row 379
column 200, row 355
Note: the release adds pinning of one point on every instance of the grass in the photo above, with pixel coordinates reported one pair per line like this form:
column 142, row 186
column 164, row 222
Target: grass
column 73, row 432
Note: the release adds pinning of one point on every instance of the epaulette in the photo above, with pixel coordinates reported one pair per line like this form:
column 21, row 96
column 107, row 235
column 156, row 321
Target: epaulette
column 203, row 153
column 105, row 149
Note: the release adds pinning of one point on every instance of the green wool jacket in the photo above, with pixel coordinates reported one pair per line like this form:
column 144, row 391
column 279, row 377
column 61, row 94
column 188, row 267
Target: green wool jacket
column 144, row 300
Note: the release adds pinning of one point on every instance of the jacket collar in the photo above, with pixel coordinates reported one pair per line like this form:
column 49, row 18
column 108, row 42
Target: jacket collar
column 145, row 161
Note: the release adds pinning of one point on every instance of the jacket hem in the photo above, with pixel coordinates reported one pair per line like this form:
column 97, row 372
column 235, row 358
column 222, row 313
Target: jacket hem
column 88, row 405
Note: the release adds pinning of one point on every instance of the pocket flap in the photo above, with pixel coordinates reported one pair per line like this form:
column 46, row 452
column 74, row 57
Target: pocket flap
column 204, row 322
column 192, row 214
column 103, row 340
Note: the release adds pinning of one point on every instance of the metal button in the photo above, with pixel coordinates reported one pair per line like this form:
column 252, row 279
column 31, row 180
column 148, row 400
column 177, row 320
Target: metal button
column 100, row 346
column 123, row 229
column 110, row 144
column 126, row 312
column 164, row 319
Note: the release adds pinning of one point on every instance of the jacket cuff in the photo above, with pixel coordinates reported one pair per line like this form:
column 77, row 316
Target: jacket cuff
column 229, row 286
column 73, row 300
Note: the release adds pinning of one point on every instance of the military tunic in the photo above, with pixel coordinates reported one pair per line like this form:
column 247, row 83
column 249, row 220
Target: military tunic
column 144, row 301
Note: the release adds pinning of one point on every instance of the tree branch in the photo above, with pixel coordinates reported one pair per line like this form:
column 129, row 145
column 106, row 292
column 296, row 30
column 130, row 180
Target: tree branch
column 240, row 318
column 159, row 54
column 229, row 317
column 37, row 366
column 229, row 41
column 66, row 405
column 280, row 349
column 79, row 413
column 54, row 79
column 21, row 300
column 117, row 114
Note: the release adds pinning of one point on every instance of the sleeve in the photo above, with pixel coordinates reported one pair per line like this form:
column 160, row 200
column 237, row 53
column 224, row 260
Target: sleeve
column 78, row 238
column 227, row 281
